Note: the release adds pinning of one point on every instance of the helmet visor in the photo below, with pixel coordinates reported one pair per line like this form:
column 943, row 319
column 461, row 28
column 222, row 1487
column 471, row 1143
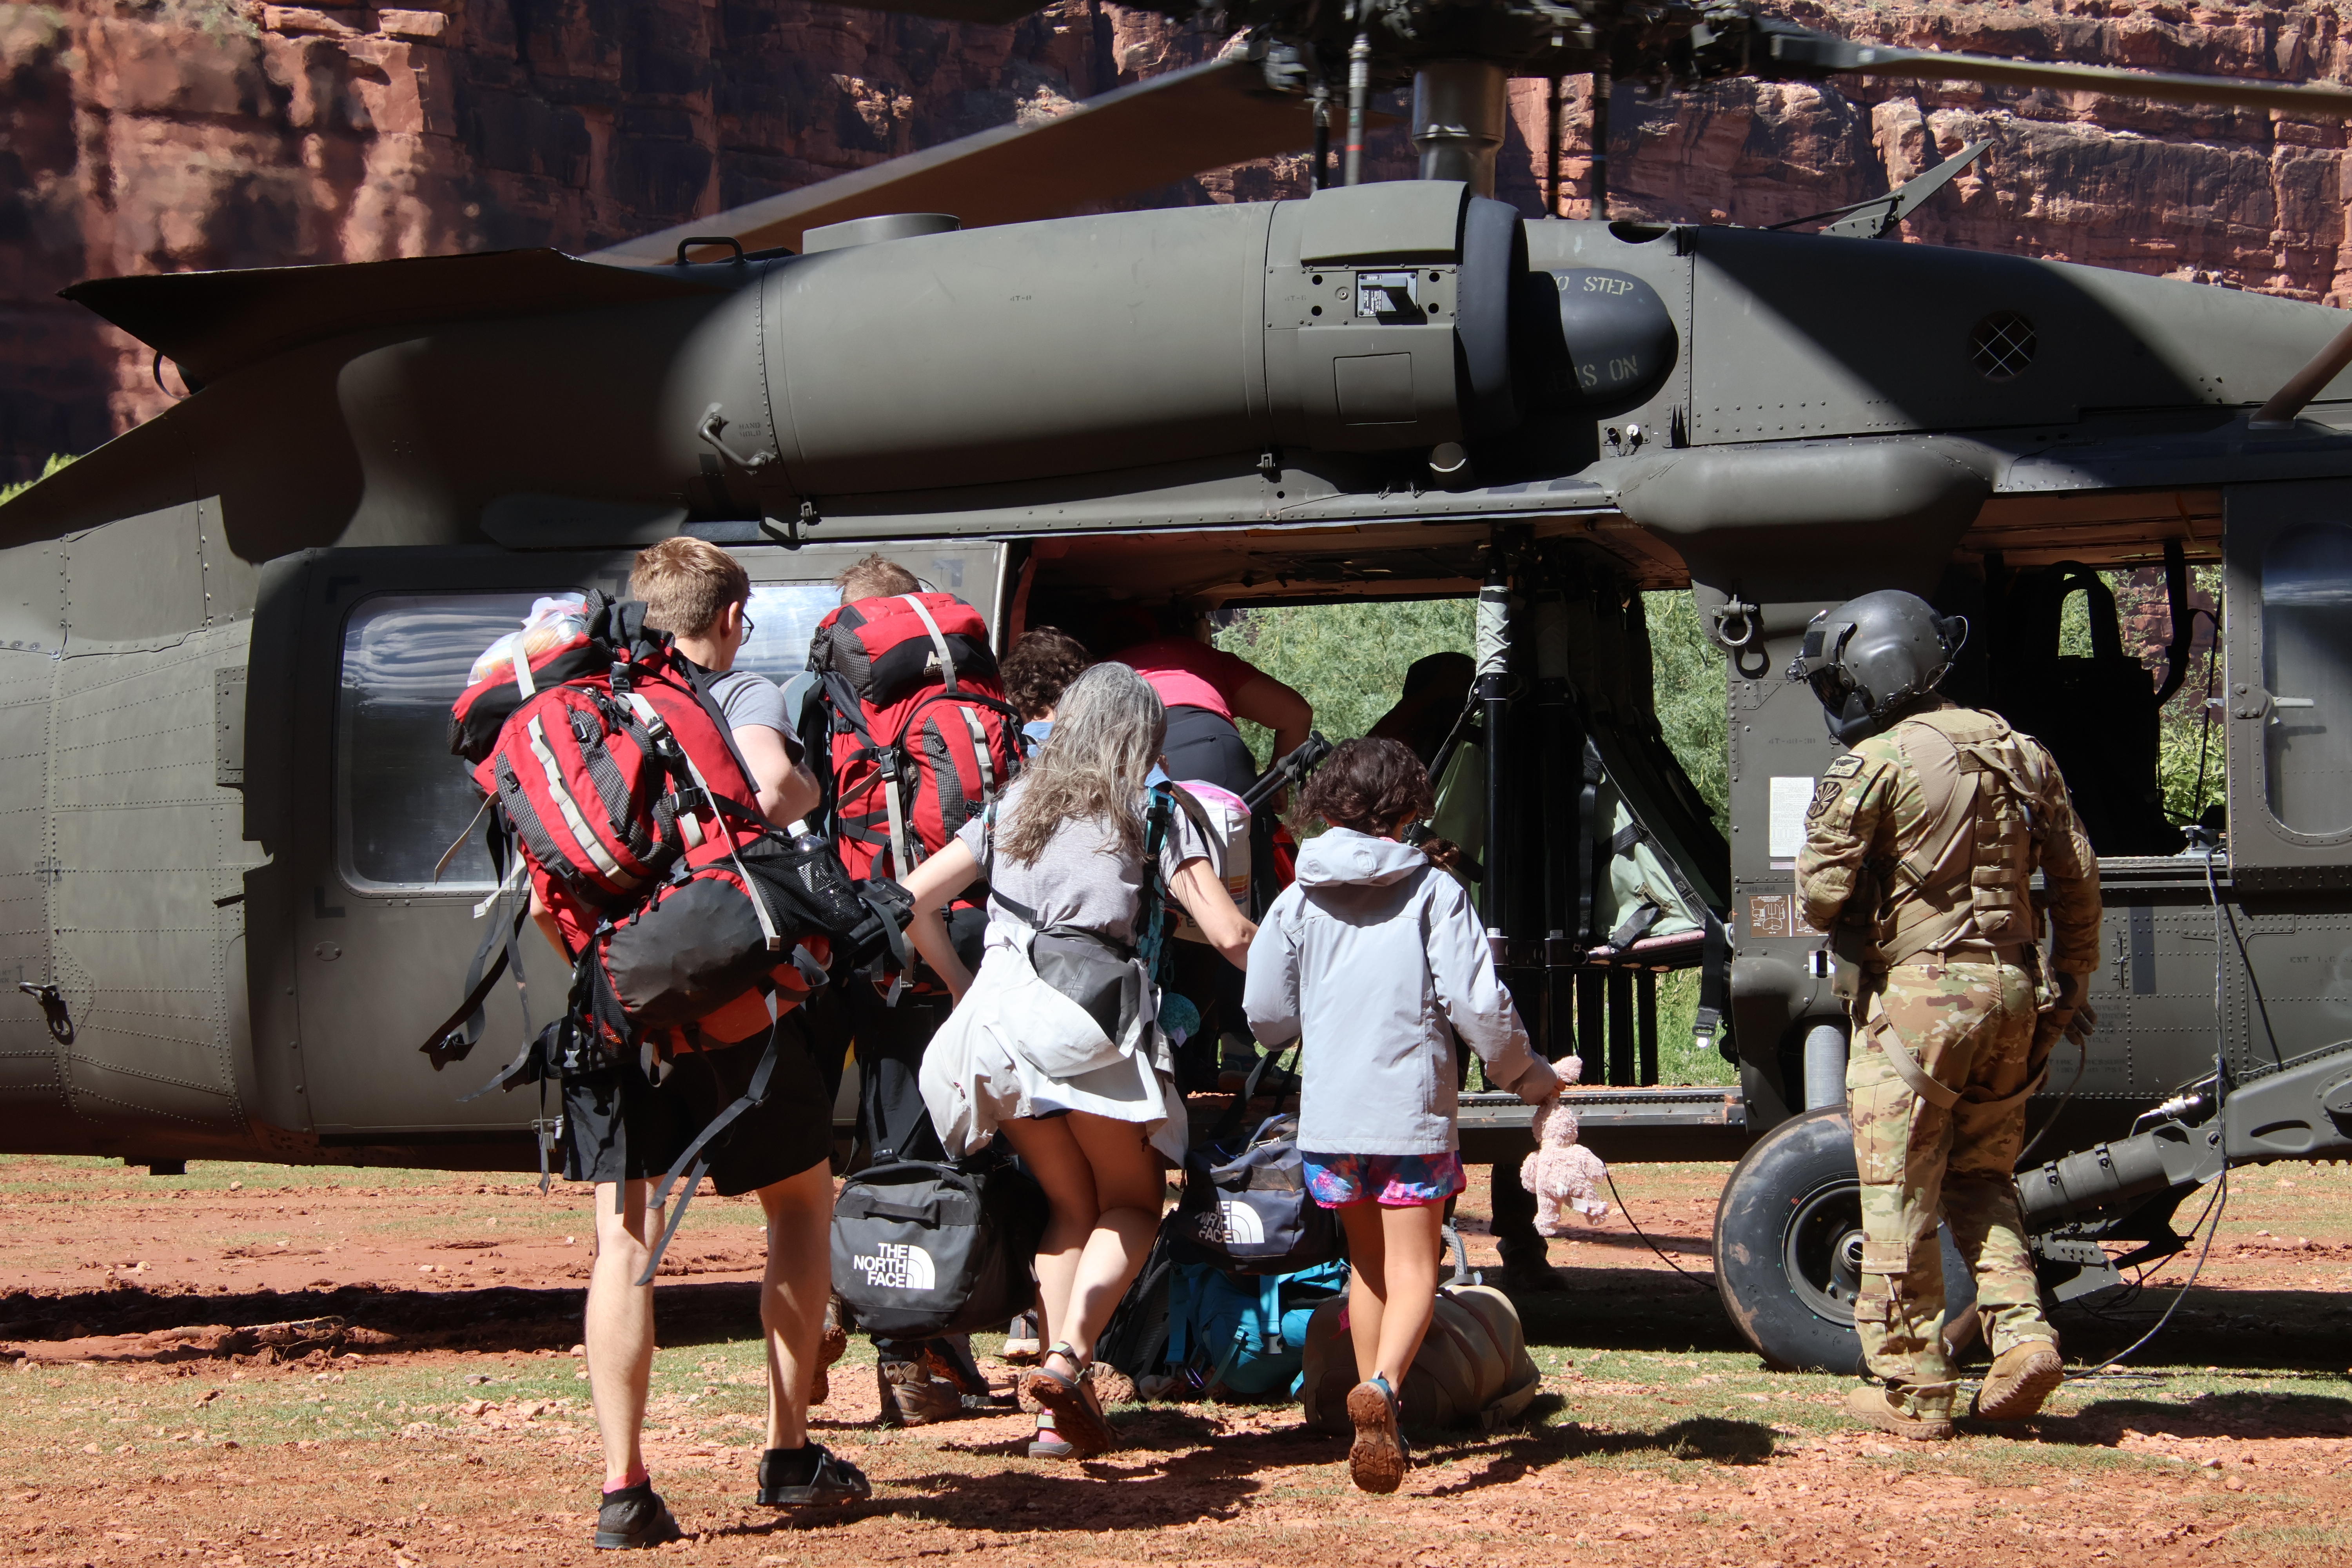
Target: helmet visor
column 1817, row 664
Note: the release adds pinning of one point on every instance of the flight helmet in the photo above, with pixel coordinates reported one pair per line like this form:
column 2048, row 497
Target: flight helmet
column 1874, row 660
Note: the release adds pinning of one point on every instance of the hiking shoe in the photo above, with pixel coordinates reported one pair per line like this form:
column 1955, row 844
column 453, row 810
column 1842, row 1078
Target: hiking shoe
column 1078, row 1414
column 1021, row 1346
column 806, row 1476
column 949, row 1360
column 1899, row 1410
column 831, row 1346
column 2023, row 1376
column 911, row 1396
column 634, row 1517
column 1527, row 1276
column 1378, row 1459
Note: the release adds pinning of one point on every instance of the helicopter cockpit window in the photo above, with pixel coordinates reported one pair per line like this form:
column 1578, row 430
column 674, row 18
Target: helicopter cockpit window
column 784, row 618
column 402, row 798
column 2307, row 670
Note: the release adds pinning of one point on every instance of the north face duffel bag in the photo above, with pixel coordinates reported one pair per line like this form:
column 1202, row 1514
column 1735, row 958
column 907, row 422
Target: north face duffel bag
column 920, row 1250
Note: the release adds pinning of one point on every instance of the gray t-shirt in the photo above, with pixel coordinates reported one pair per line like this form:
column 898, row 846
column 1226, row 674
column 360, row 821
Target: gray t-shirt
column 1080, row 878
column 746, row 698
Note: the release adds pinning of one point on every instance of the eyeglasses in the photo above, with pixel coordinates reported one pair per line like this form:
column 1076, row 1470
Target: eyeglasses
column 749, row 625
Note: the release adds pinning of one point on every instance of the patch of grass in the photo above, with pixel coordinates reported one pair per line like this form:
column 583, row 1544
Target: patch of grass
column 56, row 460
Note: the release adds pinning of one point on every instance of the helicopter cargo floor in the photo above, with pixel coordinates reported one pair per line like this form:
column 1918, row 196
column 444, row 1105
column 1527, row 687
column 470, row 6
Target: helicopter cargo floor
column 1623, row 1125
column 455, row 1429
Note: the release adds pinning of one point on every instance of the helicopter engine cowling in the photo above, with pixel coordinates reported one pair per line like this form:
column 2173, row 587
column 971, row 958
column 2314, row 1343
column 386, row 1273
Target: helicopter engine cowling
column 1365, row 318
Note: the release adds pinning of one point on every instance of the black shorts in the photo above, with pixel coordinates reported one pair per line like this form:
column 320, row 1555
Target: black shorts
column 617, row 1127
column 1205, row 745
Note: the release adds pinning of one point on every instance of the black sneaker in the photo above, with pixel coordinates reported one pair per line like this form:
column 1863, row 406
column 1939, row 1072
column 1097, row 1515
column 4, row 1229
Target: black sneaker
column 633, row 1517
column 829, row 1477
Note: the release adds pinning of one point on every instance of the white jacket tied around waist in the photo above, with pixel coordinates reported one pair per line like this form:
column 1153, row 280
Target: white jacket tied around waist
column 1375, row 960
column 1016, row 1047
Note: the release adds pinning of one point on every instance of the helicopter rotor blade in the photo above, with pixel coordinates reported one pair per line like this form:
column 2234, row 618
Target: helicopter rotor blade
column 1819, row 53
column 989, row 12
column 1132, row 139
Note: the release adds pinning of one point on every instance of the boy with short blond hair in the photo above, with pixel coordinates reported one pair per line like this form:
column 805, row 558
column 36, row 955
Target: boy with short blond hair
column 621, row 1128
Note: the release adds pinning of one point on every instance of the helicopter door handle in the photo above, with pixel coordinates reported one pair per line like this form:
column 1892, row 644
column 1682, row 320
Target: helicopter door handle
column 714, row 420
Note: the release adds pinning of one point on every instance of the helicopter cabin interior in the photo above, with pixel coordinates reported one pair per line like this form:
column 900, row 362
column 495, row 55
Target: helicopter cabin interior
column 370, row 644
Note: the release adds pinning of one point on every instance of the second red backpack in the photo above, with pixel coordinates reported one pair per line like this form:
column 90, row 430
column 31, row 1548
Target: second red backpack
column 913, row 723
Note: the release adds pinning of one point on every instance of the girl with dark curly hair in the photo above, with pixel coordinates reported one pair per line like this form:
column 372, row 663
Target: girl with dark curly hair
column 1375, row 960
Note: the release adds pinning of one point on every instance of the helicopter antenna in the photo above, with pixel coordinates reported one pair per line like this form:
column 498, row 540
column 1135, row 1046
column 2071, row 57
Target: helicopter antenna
column 1551, row 168
column 1600, row 175
column 1359, row 88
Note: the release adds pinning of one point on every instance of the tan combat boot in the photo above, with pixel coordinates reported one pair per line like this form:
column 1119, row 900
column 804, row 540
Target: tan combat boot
column 1905, row 1412
column 911, row 1396
column 2023, row 1376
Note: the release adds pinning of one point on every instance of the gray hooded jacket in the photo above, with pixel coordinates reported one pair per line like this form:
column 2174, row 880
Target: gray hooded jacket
column 1376, row 960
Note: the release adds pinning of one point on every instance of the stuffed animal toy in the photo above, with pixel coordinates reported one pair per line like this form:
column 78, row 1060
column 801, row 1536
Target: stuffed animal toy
column 1562, row 1173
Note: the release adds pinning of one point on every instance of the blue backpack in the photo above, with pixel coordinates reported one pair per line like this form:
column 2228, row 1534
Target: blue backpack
column 1247, row 1335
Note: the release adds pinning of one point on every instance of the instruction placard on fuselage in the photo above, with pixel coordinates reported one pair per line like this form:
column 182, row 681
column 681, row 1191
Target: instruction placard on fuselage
column 1388, row 294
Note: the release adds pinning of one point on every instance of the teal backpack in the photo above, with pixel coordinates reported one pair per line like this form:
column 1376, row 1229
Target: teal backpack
column 1247, row 1335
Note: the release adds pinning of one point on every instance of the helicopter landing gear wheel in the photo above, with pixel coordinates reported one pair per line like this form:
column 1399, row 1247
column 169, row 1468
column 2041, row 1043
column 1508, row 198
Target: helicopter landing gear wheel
column 1788, row 1249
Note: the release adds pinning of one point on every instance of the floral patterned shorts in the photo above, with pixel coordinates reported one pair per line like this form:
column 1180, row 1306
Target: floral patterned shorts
column 1393, row 1181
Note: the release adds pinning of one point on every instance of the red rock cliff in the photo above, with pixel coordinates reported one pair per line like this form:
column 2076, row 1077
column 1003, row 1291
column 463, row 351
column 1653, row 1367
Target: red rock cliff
column 141, row 135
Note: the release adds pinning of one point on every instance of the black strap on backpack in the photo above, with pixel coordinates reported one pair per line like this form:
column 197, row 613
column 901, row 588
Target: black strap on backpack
column 455, row 1039
column 694, row 1161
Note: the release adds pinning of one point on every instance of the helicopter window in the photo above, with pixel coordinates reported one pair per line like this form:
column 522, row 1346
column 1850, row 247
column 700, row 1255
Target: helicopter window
column 784, row 618
column 2002, row 345
column 402, row 797
column 2307, row 670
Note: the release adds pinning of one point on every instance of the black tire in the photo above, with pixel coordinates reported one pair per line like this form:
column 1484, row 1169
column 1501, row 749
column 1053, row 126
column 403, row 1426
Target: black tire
column 1788, row 1243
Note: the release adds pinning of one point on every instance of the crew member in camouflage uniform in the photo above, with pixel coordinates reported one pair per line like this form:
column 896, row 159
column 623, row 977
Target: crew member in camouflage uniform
column 1920, row 843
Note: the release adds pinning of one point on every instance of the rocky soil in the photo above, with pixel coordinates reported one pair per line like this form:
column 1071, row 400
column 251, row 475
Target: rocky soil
column 251, row 1365
column 149, row 135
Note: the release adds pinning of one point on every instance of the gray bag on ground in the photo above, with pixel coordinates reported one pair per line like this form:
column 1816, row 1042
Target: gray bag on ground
column 921, row 1249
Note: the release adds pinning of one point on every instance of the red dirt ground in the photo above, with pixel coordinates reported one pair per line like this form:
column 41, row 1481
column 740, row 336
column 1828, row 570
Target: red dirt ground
column 1661, row 1439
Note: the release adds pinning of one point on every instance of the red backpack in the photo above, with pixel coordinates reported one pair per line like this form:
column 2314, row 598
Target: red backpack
column 912, row 726
column 619, row 793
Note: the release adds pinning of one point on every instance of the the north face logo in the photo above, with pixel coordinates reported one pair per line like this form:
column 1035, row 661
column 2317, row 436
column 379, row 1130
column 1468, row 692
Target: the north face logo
column 1234, row 1223
column 896, row 1266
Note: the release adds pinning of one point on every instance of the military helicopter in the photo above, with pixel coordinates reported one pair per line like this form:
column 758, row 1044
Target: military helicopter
column 239, row 625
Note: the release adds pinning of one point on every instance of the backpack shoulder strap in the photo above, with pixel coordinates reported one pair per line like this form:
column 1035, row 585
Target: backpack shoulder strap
column 939, row 638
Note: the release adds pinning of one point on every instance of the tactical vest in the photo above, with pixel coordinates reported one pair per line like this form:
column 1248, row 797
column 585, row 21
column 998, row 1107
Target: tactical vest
column 1962, row 875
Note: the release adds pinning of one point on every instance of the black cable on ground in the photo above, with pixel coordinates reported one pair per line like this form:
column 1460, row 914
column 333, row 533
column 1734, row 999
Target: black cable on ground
column 2217, row 1206
column 1610, row 1176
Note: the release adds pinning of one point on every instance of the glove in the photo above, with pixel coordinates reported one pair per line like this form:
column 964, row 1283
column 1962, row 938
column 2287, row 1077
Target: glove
column 2074, row 1005
column 1539, row 1083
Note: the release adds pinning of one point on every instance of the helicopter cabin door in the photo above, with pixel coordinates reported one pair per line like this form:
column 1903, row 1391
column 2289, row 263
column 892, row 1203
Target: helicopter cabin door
column 2287, row 706
column 384, row 929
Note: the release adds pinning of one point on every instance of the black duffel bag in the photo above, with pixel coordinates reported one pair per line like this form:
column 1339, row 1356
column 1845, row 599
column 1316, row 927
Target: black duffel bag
column 1248, row 1211
column 920, row 1250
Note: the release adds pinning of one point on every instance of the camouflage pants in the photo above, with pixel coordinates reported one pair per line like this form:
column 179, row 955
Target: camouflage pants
column 1971, row 1028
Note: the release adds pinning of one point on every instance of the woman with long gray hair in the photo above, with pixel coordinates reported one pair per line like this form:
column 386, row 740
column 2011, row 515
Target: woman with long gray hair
column 1056, row 1041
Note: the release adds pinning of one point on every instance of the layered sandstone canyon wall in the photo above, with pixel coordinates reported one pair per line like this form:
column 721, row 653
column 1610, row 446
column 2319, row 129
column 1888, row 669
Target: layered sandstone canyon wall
column 148, row 136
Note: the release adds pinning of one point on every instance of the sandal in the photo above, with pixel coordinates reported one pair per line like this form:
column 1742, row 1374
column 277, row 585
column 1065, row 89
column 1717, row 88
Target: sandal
column 1078, row 1414
column 832, row 1479
column 1378, row 1459
column 1049, row 1442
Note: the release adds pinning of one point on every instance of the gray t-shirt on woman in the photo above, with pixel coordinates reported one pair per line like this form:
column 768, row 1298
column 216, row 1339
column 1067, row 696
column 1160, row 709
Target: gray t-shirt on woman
column 1081, row 878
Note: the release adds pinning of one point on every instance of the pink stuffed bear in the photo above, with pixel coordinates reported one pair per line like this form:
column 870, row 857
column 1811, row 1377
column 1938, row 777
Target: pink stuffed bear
column 1562, row 1173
